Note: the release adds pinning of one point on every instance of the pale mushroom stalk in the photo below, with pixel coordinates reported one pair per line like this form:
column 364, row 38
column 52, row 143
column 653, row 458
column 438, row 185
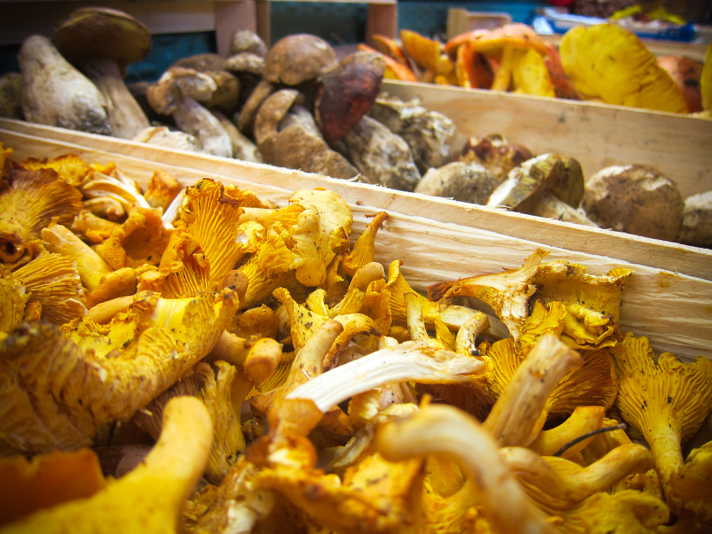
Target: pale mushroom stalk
column 583, row 420
column 446, row 431
column 519, row 413
column 566, row 481
column 56, row 93
column 257, row 357
column 102, row 42
column 408, row 361
column 125, row 114
column 178, row 93
column 91, row 267
column 150, row 498
column 197, row 120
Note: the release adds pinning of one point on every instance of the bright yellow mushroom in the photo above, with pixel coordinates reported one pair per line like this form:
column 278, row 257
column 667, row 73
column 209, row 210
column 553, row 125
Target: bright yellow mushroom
column 609, row 62
column 150, row 498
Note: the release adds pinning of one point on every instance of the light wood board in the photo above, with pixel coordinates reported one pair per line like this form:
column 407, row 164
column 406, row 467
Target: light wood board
column 672, row 257
column 673, row 310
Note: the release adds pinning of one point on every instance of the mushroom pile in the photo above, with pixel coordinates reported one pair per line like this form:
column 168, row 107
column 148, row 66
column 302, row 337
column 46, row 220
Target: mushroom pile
column 200, row 360
column 604, row 63
column 636, row 199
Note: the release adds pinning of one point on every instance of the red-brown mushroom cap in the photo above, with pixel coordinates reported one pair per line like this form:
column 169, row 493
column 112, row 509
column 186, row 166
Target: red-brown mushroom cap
column 103, row 32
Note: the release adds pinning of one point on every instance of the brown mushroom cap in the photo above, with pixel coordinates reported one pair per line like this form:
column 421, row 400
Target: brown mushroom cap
column 346, row 93
column 297, row 58
column 461, row 180
column 637, row 199
column 247, row 41
column 202, row 62
column 103, row 32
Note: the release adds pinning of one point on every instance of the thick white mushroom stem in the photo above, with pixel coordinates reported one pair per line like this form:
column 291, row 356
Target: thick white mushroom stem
column 125, row 114
column 410, row 361
column 195, row 119
column 448, row 432
column 519, row 413
column 566, row 481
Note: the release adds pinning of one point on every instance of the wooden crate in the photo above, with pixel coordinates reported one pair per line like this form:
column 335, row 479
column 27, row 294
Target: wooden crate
column 597, row 135
column 439, row 239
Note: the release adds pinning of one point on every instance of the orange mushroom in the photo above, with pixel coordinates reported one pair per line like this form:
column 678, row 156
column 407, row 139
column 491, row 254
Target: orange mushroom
column 507, row 44
column 394, row 70
column 389, row 47
column 430, row 55
column 472, row 69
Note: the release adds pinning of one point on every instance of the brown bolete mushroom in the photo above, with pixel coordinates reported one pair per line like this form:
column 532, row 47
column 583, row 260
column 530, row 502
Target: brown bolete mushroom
column 269, row 115
column 288, row 136
column 102, row 42
column 637, row 199
column 522, row 190
column 346, row 93
column 249, row 42
column 300, row 145
column 56, row 93
column 164, row 136
column 428, row 133
column 178, row 93
column 227, row 86
column 298, row 58
column 696, row 228
column 246, row 119
column 496, row 153
column 460, row 180
column 383, row 157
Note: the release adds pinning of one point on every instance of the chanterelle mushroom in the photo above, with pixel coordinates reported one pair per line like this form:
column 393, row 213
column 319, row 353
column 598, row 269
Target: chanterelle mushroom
column 668, row 401
column 609, row 62
column 150, row 498
column 102, row 42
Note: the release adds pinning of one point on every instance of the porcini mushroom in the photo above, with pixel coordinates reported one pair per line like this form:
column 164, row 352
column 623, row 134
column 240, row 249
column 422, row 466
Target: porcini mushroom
column 466, row 182
column 496, row 153
column 298, row 58
column 178, row 93
column 346, row 93
column 383, row 157
column 696, row 227
column 428, row 133
column 11, row 95
column 56, row 93
column 637, row 199
column 102, row 42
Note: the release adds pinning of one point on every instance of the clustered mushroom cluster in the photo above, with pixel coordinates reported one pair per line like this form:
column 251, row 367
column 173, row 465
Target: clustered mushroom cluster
column 297, row 105
column 198, row 359
column 601, row 63
column 636, row 199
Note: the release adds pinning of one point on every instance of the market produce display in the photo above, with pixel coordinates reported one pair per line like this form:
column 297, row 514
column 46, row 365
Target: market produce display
column 199, row 359
column 603, row 63
column 298, row 105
